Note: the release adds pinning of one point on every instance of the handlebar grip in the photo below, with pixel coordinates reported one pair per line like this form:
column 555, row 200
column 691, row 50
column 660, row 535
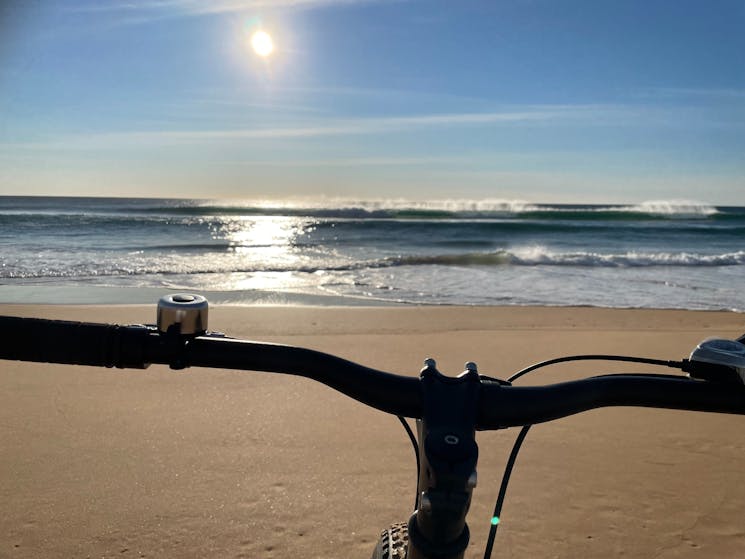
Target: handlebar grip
column 73, row 343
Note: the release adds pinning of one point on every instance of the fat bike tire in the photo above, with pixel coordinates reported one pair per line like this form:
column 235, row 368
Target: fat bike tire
column 393, row 542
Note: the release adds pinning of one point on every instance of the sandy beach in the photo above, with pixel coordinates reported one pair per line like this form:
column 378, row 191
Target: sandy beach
column 210, row 463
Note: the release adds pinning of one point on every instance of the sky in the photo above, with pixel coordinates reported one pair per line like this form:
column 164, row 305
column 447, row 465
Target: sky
column 594, row 101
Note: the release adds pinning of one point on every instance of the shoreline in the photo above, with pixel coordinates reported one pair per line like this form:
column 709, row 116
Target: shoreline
column 460, row 317
column 150, row 296
column 207, row 462
column 95, row 295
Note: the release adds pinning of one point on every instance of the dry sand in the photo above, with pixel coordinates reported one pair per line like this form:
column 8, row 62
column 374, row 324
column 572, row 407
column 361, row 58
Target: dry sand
column 107, row 463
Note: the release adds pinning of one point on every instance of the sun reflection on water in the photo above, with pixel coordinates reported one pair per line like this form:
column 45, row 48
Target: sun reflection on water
column 268, row 234
column 272, row 244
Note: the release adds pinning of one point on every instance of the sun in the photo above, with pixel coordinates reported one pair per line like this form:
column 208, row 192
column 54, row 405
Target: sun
column 262, row 43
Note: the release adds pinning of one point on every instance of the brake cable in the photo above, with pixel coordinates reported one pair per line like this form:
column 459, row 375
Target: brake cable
column 495, row 519
column 412, row 438
column 645, row 360
column 503, row 490
column 524, row 430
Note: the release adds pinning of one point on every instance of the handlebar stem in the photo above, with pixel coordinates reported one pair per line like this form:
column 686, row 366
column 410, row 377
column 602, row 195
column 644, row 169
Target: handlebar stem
column 447, row 471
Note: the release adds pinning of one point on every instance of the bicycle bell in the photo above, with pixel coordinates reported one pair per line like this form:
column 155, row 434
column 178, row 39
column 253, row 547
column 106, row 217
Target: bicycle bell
column 183, row 313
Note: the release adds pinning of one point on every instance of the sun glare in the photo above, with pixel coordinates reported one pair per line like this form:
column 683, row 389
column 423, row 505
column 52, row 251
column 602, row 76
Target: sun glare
column 262, row 43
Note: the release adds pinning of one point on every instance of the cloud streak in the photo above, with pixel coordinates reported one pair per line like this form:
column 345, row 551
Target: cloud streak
column 545, row 116
column 158, row 9
column 342, row 127
column 359, row 162
column 715, row 94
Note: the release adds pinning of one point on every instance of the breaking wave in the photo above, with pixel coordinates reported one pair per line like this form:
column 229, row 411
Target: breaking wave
column 371, row 209
column 536, row 256
column 678, row 208
column 531, row 256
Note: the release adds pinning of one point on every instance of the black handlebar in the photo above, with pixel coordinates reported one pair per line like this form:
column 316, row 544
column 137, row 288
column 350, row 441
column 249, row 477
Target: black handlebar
column 395, row 394
column 138, row 346
column 73, row 343
column 106, row 345
column 514, row 406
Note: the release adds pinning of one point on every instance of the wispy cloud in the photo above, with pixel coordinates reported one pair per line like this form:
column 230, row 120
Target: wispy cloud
column 143, row 11
column 587, row 114
column 212, row 107
column 358, row 162
column 716, row 94
column 545, row 116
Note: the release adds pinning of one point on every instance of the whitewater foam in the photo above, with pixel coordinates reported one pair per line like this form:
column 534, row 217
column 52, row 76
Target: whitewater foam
column 450, row 251
column 532, row 256
column 677, row 208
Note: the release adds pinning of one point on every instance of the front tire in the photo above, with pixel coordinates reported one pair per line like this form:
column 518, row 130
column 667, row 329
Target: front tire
column 393, row 542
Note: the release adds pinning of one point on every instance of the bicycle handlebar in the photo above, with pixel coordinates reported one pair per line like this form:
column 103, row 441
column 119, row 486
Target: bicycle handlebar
column 516, row 406
column 73, row 343
column 499, row 406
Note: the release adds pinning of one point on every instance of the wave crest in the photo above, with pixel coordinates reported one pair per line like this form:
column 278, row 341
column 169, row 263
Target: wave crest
column 529, row 256
column 678, row 208
column 541, row 256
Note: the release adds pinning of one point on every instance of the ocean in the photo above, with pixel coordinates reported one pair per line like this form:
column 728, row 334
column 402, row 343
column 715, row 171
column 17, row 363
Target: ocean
column 660, row 254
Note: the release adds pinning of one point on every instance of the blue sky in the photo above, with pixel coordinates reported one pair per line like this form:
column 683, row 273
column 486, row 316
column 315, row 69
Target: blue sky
column 537, row 100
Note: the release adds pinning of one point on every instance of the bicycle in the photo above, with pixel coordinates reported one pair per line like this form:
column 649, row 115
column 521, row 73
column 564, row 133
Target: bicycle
column 448, row 410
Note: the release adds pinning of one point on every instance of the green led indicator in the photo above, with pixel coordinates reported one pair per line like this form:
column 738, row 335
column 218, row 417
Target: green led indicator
column 494, row 520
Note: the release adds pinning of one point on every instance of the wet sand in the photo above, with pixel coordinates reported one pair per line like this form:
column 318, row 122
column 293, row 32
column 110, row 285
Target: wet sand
column 208, row 463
